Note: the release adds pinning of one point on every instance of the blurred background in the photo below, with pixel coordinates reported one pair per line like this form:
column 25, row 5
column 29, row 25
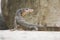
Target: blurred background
column 46, row 12
column 0, row 6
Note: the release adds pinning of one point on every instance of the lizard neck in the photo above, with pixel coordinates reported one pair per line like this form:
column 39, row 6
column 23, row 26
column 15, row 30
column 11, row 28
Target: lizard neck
column 19, row 12
column 19, row 15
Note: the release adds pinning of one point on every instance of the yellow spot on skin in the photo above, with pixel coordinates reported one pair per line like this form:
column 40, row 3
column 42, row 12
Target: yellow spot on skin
column 23, row 14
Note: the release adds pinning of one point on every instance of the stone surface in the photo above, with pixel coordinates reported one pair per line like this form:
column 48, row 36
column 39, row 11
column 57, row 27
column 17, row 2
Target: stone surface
column 28, row 35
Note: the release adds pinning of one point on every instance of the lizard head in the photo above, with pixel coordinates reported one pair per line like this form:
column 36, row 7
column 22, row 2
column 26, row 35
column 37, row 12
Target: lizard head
column 26, row 11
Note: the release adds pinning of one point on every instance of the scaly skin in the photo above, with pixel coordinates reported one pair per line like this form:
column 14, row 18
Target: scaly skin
column 19, row 20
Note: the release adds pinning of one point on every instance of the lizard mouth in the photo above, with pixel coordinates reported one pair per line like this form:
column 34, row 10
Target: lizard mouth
column 31, row 10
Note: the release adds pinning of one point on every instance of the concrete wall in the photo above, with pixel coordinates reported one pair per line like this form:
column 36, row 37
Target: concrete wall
column 53, row 17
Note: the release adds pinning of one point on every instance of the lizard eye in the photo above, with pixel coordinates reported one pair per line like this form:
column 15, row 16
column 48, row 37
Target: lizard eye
column 26, row 9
